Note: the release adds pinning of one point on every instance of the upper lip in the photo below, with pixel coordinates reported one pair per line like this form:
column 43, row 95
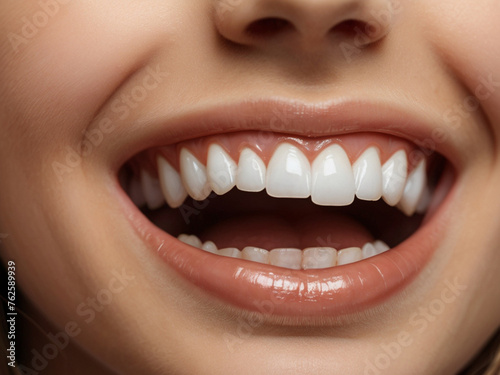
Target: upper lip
column 325, row 119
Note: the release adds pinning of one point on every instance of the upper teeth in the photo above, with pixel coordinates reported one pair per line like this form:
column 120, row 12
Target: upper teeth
column 331, row 179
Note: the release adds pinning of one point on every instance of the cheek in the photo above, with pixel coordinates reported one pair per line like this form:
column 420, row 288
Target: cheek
column 467, row 36
column 56, row 77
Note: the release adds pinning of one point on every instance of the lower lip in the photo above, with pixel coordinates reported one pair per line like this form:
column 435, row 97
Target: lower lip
column 272, row 290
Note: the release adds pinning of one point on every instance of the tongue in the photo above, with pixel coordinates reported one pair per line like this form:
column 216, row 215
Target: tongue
column 270, row 232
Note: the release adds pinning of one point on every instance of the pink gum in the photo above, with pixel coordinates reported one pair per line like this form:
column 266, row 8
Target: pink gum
column 264, row 144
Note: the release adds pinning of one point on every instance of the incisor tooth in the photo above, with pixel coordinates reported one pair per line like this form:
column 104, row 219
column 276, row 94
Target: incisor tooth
column 194, row 176
column 349, row 255
column 319, row 257
column 255, row 254
column 221, row 170
column 332, row 178
column 210, row 247
column 251, row 172
column 368, row 175
column 286, row 257
column 171, row 184
column 288, row 173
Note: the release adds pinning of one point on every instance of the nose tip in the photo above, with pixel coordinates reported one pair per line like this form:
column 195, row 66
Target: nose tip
column 305, row 23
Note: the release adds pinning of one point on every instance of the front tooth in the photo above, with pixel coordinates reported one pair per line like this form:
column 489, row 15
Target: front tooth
column 171, row 184
column 210, row 247
column 288, row 173
column 221, row 170
column 332, row 178
column 319, row 257
column 287, row 258
column 255, row 254
column 394, row 173
column 231, row 252
column 152, row 190
column 368, row 175
column 190, row 240
column 194, row 176
column 251, row 172
column 425, row 200
column 414, row 189
column 349, row 255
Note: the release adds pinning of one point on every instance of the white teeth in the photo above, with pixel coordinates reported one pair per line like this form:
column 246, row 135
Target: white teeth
column 194, row 176
column 288, row 173
column 255, row 254
column 171, row 184
column 230, row 252
column 287, row 258
column 190, row 240
column 152, row 190
column 221, row 170
column 394, row 173
column 381, row 246
column 370, row 250
column 251, row 172
column 332, row 178
column 368, row 175
column 307, row 259
column 414, row 189
column 210, row 247
column 319, row 257
column 349, row 255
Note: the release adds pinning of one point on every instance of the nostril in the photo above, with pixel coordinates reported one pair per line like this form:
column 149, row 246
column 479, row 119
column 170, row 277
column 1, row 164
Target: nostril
column 348, row 28
column 267, row 27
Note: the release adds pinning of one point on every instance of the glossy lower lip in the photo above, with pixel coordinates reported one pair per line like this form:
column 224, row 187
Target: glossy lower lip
column 278, row 291
column 281, row 292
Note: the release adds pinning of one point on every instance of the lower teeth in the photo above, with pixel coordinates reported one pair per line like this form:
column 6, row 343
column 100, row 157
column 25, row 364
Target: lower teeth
column 309, row 258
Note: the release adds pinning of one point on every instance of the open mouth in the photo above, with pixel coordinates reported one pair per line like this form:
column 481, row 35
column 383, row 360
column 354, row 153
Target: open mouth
column 291, row 211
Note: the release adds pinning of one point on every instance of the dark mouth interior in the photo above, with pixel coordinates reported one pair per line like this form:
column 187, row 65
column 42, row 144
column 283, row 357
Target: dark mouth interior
column 239, row 219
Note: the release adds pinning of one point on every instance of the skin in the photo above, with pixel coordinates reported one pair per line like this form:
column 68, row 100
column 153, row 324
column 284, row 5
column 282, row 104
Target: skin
column 67, row 233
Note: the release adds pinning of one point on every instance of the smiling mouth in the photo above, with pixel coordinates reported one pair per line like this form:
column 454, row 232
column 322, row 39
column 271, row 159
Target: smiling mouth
column 277, row 214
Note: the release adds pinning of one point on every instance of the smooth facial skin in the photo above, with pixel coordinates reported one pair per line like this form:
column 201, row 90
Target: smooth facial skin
column 69, row 236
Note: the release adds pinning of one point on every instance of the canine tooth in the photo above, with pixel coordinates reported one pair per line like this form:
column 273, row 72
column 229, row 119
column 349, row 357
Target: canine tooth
column 414, row 189
column 194, row 176
column 349, row 255
column 288, row 173
column 230, row 252
column 381, row 246
column 368, row 175
column 287, row 258
column 221, row 170
column 370, row 250
column 332, row 178
column 210, row 247
column 190, row 240
column 152, row 190
column 251, row 172
column 135, row 192
column 394, row 173
column 255, row 254
column 171, row 184
column 319, row 257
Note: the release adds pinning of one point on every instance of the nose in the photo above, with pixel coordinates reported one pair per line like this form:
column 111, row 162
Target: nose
column 304, row 24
